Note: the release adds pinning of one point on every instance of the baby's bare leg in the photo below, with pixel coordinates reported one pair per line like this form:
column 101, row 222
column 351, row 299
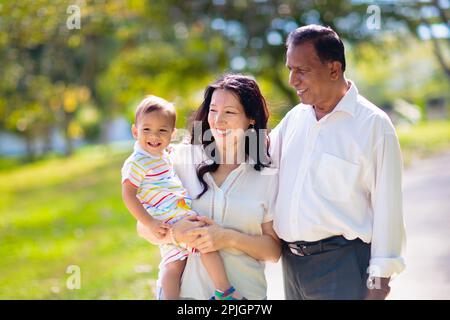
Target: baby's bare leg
column 214, row 266
column 171, row 279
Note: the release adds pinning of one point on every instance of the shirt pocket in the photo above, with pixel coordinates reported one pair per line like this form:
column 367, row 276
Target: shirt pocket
column 335, row 178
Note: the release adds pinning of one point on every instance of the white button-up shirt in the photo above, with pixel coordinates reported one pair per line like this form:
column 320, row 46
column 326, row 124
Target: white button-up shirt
column 341, row 175
column 243, row 202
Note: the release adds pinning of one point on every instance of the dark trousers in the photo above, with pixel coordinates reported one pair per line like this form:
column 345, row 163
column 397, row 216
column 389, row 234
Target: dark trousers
column 339, row 274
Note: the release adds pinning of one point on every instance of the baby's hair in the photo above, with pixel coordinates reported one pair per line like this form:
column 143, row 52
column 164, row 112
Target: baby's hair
column 154, row 103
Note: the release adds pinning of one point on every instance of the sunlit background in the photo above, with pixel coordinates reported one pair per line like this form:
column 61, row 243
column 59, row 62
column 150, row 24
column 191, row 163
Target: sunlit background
column 72, row 73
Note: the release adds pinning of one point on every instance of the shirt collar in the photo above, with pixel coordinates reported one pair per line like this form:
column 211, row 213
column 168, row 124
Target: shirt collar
column 346, row 104
column 348, row 101
column 232, row 175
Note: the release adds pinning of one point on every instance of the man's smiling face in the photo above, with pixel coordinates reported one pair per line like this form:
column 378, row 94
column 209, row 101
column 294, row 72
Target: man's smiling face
column 308, row 74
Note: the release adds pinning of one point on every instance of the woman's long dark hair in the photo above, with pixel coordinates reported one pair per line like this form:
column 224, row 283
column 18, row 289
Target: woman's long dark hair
column 247, row 91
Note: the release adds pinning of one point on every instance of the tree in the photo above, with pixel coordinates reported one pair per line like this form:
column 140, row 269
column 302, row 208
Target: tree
column 124, row 50
column 254, row 32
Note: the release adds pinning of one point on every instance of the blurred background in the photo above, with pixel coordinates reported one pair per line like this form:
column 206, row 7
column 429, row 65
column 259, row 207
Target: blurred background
column 72, row 73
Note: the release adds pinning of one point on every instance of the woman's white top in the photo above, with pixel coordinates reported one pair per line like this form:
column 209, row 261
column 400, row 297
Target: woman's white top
column 243, row 202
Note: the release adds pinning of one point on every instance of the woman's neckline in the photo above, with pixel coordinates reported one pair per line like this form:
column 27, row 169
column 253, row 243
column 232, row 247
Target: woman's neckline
column 226, row 181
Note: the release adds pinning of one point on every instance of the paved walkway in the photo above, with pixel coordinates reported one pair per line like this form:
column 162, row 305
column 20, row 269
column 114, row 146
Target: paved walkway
column 426, row 192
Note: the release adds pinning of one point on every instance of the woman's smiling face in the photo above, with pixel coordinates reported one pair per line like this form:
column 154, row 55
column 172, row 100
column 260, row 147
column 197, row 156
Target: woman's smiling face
column 226, row 117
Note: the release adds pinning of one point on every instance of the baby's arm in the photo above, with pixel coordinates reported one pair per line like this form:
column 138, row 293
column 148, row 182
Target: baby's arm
column 178, row 227
column 129, row 191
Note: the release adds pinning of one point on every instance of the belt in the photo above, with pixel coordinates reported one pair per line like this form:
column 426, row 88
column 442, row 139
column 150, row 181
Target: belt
column 304, row 248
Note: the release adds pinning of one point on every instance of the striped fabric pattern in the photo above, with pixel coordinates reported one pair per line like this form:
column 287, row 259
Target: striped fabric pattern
column 159, row 189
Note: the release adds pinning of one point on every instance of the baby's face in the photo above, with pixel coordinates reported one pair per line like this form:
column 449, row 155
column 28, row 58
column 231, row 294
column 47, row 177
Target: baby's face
column 153, row 132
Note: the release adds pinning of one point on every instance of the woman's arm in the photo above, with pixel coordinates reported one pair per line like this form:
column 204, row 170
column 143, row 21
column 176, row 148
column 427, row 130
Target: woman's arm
column 265, row 247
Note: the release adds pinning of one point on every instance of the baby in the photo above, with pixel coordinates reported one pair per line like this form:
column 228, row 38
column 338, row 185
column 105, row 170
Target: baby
column 154, row 195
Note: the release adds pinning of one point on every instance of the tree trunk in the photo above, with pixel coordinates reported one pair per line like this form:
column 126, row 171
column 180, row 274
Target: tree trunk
column 437, row 50
column 104, row 130
column 440, row 58
column 47, row 136
column 30, row 156
column 67, row 137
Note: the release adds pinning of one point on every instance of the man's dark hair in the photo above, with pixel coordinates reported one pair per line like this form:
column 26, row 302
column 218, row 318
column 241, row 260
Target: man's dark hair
column 326, row 41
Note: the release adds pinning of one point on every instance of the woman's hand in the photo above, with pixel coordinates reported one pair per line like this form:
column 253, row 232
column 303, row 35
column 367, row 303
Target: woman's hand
column 185, row 224
column 208, row 238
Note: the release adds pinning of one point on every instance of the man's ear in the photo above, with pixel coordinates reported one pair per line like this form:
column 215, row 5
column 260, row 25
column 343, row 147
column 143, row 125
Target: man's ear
column 134, row 131
column 335, row 70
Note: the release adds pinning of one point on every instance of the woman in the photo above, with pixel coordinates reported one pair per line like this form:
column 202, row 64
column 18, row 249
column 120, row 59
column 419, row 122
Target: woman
column 225, row 169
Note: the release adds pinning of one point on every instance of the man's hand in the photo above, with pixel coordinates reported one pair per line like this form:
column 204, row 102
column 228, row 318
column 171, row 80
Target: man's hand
column 376, row 294
column 378, row 289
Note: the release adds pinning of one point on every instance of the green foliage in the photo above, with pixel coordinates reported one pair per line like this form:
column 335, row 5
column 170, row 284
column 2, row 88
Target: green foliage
column 63, row 212
column 60, row 212
column 402, row 70
column 424, row 139
column 128, row 49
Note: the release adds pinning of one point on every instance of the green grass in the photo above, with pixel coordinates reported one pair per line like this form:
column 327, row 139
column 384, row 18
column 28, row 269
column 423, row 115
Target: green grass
column 424, row 139
column 60, row 212
column 63, row 212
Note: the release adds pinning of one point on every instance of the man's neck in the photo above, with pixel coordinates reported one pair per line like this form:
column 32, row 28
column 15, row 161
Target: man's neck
column 335, row 96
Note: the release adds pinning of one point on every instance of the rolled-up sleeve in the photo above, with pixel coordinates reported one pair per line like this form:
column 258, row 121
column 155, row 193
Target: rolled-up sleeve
column 388, row 237
column 271, row 195
column 275, row 145
column 185, row 159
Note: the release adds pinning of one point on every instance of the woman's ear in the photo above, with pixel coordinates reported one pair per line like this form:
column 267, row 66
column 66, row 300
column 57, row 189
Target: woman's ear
column 134, row 131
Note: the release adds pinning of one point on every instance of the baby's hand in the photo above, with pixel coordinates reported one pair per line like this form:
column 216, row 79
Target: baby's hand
column 159, row 228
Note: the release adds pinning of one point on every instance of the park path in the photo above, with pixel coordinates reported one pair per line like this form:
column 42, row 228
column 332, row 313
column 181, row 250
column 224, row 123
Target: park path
column 426, row 195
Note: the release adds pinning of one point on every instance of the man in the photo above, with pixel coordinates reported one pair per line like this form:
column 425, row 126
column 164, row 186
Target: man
column 339, row 205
